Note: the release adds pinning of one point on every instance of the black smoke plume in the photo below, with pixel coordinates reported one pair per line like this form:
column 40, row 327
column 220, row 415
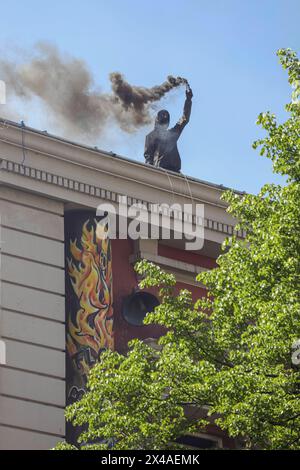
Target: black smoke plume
column 66, row 88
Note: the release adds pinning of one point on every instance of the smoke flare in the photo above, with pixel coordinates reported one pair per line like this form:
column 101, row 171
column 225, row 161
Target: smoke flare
column 66, row 88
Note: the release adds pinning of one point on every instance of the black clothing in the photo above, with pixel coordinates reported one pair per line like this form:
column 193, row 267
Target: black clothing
column 161, row 144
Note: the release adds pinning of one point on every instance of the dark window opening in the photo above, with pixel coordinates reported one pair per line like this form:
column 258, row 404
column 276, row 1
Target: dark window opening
column 197, row 442
column 137, row 305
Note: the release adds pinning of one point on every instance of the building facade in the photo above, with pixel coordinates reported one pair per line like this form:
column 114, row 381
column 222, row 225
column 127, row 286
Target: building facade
column 49, row 191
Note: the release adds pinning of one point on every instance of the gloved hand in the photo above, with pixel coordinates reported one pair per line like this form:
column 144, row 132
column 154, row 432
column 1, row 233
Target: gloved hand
column 189, row 93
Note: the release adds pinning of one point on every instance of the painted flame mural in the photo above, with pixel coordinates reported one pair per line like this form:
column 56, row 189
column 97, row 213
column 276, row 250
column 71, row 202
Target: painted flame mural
column 89, row 297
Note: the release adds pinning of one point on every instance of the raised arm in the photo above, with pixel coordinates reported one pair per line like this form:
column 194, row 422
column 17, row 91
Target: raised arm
column 186, row 112
column 149, row 150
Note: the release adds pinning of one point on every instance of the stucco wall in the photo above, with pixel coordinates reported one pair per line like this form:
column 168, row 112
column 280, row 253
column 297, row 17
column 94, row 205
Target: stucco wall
column 32, row 321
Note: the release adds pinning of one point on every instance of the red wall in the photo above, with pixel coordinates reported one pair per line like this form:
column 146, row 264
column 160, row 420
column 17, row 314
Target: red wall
column 186, row 256
column 125, row 282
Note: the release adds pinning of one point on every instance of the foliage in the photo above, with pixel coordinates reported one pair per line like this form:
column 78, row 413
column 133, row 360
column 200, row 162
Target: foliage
column 228, row 354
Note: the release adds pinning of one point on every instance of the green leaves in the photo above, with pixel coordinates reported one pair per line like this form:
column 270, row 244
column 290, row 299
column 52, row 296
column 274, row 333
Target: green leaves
column 227, row 358
column 290, row 61
column 282, row 142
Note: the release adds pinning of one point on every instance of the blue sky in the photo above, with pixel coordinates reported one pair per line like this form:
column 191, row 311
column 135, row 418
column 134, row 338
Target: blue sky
column 226, row 48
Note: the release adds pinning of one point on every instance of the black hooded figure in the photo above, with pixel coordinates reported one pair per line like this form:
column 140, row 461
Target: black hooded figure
column 161, row 144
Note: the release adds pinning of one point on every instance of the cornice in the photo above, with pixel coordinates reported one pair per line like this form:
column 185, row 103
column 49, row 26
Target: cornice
column 81, row 187
column 31, row 141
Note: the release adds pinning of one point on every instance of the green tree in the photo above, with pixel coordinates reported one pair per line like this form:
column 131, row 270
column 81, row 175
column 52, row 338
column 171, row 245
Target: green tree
column 229, row 354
